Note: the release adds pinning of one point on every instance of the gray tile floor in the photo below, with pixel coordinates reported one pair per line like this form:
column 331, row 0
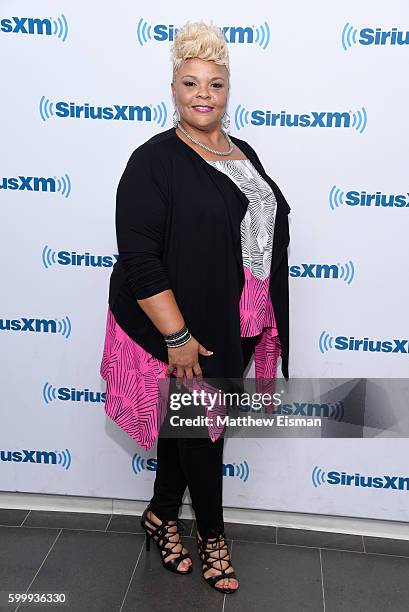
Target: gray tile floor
column 100, row 561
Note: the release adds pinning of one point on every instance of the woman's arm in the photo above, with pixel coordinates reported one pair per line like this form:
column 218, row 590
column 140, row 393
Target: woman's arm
column 141, row 211
column 163, row 311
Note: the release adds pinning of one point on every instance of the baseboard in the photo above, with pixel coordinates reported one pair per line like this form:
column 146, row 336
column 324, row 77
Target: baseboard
column 295, row 520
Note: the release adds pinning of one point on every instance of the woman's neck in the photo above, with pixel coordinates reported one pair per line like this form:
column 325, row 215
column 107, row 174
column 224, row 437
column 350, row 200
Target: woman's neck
column 213, row 137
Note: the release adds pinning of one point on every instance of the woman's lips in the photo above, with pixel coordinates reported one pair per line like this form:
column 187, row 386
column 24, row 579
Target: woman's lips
column 203, row 109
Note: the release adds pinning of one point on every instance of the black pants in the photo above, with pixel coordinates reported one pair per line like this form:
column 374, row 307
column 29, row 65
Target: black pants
column 196, row 463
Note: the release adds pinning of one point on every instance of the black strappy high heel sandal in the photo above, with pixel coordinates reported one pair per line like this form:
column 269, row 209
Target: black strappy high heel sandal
column 161, row 535
column 206, row 546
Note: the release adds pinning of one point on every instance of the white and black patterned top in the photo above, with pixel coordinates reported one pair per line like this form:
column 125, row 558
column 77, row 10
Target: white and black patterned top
column 257, row 226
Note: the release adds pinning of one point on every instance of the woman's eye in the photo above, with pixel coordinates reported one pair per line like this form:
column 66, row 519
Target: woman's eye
column 189, row 83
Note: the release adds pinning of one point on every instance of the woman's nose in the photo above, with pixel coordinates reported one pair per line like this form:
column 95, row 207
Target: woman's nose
column 203, row 94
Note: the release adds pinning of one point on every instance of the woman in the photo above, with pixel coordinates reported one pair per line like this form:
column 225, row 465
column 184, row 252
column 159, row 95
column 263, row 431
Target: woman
column 200, row 285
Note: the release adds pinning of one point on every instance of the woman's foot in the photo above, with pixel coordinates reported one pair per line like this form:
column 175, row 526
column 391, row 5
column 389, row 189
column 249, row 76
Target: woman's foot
column 217, row 557
column 174, row 536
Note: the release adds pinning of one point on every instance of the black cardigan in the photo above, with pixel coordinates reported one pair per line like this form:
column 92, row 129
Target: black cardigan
column 178, row 227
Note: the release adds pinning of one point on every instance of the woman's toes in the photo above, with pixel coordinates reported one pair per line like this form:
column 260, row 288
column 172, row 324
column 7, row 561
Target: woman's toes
column 230, row 583
column 184, row 565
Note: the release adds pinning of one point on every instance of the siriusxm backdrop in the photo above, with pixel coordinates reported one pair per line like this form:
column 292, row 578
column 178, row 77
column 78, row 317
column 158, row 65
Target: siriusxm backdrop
column 320, row 91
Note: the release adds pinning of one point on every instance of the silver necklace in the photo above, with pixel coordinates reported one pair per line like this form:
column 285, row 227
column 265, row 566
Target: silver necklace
column 205, row 146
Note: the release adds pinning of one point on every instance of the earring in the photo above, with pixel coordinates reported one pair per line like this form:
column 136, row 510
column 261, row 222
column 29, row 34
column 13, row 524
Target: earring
column 226, row 121
column 176, row 117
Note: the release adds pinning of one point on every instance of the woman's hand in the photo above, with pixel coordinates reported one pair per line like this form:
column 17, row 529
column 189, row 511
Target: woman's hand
column 185, row 359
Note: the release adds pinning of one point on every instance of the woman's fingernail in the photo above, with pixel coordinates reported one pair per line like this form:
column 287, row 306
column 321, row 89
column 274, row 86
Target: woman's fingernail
column 210, row 352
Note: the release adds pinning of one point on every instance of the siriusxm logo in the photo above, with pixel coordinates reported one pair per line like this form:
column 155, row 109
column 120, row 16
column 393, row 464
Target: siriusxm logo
column 60, row 185
column 344, row 272
column 330, row 411
column 34, row 25
column 47, row 326
column 338, row 198
column 314, row 119
column 67, row 394
column 232, row 470
column 42, row 457
column 397, row 483
column 71, row 258
column 372, row 36
column 160, row 32
column 70, row 110
column 345, row 343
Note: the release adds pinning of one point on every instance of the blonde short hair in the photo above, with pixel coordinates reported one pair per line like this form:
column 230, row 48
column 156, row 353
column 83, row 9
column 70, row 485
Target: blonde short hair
column 201, row 40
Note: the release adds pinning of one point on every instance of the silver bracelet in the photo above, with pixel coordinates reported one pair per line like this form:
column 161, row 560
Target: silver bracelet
column 177, row 338
column 180, row 343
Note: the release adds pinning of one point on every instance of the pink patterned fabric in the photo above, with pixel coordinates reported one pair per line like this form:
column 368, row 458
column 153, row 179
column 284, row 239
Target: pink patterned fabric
column 133, row 400
column 257, row 317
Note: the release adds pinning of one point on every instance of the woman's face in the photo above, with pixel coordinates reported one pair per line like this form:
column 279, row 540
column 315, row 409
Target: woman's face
column 200, row 91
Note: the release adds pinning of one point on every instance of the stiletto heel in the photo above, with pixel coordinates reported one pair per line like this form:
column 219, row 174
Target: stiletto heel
column 205, row 549
column 148, row 541
column 161, row 535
